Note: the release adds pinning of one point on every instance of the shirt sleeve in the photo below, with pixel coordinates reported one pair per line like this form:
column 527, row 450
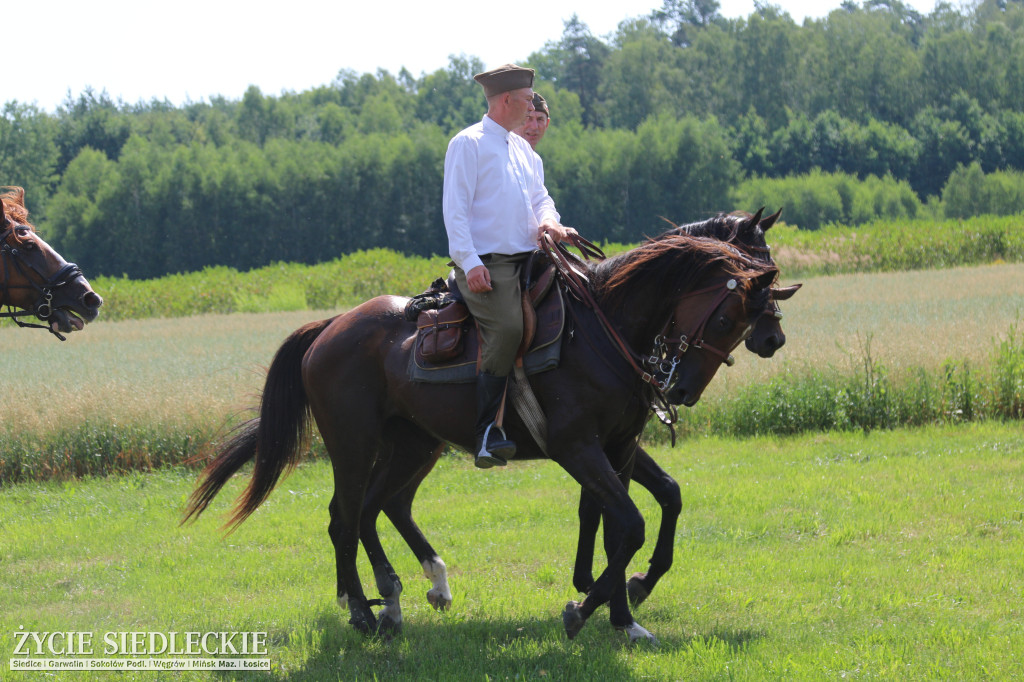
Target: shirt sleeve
column 460, row 172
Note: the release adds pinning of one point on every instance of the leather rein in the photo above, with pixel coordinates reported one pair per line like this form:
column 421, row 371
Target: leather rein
column 43, row 306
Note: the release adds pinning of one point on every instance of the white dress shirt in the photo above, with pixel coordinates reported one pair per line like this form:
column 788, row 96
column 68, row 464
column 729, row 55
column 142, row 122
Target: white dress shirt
column 494, row 196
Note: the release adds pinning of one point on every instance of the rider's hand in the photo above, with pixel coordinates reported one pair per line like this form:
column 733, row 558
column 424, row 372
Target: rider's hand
column 479, row 280
column 558, row 232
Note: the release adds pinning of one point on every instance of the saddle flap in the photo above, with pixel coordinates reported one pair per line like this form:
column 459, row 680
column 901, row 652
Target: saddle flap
column 542, row 285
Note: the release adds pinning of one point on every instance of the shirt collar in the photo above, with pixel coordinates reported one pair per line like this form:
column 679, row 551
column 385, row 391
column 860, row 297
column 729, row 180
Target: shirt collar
column 494, row 128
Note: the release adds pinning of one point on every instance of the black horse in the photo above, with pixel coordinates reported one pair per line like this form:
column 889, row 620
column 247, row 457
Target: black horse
column 384, row 432
column 743, row 231
column 747, row 233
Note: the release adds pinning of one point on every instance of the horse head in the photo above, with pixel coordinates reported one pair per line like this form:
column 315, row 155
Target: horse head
column 692, row 300
column 36, row 278
column 709, row 324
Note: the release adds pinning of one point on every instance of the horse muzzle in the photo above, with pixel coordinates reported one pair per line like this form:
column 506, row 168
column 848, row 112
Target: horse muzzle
column 72, row 307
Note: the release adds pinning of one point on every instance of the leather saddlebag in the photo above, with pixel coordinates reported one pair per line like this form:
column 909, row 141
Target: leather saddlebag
column 440, row 332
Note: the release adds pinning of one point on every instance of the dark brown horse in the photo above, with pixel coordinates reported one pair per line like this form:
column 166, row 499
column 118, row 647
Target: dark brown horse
column 741, row 230
column 36, row 279
column 384, row 432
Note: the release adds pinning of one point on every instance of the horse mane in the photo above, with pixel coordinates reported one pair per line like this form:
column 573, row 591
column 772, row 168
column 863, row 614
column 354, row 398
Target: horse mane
column 13, row 199
column 14, row 204
column 671, row 263
column 723, row 226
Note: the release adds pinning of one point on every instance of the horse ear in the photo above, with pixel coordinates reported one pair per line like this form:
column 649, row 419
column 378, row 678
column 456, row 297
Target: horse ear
column 754, row 219
column 765, row 278
column 785, row 293
column 770, row 220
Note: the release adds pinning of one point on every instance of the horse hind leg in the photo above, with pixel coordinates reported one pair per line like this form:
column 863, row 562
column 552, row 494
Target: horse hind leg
column 407, row 457
column 349, row 592
column 399, row 511
column 415, row 455
column 352, row 453
column 388, row 584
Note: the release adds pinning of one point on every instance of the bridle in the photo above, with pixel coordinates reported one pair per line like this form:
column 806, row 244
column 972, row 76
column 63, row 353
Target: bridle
column 43, row 307
column 660, row 360
column 649, row 367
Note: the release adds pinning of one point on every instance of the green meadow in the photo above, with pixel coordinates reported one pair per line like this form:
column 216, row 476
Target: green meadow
column 892, row 555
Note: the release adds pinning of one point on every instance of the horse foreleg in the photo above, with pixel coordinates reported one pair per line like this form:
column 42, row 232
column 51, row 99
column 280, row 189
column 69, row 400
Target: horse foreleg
column 624, row 535
column 618, row 604
column 665, row 490
column 590, row 520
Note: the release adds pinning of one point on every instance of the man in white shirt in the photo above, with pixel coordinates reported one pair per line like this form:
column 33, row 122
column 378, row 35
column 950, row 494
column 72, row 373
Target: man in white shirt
column 536, row 123
column 495, row 208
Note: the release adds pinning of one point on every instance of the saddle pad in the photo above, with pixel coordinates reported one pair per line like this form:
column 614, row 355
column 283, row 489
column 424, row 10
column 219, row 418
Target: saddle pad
column 544, row 353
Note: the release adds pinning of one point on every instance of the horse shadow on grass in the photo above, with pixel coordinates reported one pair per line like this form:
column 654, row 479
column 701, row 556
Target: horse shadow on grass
column 448, row 646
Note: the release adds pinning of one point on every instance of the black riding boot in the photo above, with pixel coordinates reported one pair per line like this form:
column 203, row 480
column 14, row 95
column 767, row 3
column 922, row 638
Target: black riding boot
column 492, row 448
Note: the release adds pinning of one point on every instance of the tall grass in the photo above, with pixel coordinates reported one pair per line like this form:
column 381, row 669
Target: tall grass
column 872, row 396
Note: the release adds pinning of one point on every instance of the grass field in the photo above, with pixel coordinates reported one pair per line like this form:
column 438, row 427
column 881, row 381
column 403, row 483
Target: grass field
column 895, row 555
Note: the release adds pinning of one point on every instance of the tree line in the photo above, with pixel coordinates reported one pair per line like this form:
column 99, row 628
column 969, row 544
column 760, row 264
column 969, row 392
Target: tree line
column 873, row 111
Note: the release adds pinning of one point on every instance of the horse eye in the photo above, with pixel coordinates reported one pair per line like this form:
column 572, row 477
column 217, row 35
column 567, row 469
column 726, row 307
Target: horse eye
column 724, row 322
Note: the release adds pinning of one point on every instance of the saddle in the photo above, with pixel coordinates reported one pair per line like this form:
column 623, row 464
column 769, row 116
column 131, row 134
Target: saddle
column 447, row 343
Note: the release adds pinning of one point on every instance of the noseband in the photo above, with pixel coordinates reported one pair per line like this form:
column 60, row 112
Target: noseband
column 43, row 307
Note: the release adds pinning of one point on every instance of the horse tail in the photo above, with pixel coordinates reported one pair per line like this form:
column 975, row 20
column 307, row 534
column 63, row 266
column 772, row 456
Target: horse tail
column 274, row 438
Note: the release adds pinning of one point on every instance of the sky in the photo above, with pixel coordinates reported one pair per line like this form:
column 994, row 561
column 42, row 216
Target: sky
column 192, row 50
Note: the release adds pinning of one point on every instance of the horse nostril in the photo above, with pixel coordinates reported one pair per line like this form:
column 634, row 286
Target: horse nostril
column 92, row 300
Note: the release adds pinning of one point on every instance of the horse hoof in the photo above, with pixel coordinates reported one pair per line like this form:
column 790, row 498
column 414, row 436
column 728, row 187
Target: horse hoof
column 363, row 625
column 637, row 591
column 438, row 600
column 362, row 618
column 388, row 629
column 572, row 619
column 637, row 633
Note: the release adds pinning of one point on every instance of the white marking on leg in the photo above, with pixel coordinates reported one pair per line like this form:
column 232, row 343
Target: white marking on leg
column 440, row 595
column 636, row 633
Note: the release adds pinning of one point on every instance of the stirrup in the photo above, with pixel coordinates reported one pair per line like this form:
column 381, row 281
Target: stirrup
column 498, row 453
